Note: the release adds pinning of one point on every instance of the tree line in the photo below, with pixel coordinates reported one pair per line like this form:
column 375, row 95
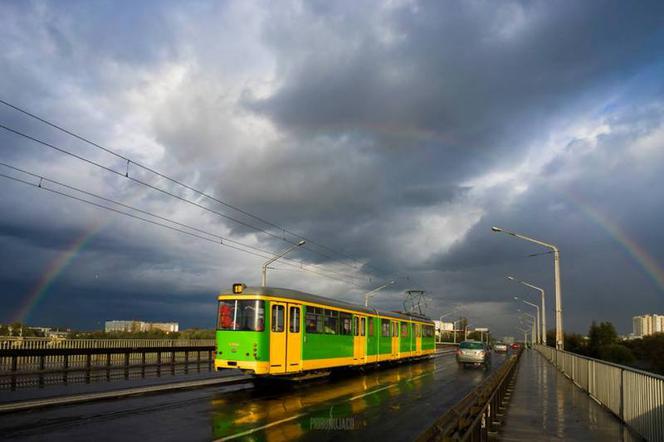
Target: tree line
column 18, row 329
column 603, row 343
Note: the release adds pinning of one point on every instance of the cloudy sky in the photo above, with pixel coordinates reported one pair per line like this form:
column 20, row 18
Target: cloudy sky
column 391, row 135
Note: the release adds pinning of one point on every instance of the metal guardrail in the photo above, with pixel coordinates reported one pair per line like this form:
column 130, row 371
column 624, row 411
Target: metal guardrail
column 37, row 363
column 479, row 414
column 38, row 343
column 634, row 396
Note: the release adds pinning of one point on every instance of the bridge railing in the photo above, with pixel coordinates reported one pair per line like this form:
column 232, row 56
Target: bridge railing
column 33, row 343
column 635, row 396
column 478, row 415
column 41, row 362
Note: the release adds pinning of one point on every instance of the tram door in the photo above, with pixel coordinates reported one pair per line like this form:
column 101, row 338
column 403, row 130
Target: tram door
column 277, row 338
column 294, row 338
column 395, row 339
column 359, row 339
column 418, row 339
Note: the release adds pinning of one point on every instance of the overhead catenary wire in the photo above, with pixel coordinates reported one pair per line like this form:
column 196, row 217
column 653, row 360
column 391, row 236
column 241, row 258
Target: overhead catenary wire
column 218, row 239
column 186, row 186
column 143, row 183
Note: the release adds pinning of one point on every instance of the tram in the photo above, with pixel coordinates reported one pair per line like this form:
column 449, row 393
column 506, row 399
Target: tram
column 279, row 332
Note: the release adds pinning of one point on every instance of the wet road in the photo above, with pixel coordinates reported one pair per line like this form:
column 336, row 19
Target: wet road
column 394, row 403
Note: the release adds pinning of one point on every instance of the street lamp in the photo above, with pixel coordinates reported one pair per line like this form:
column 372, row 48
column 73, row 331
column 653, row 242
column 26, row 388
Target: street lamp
column 373, row 292
column 532, row 324
column 541, row 290
column 280, row 255
column 441, row 324
column 525, row 335
column 537, row 317
column 556, row 272
column 454, row 330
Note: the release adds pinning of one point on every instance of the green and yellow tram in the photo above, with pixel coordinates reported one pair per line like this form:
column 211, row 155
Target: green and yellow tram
column 272, row 331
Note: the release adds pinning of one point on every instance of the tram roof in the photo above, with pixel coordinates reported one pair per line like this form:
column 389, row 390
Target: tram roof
column 308, row 297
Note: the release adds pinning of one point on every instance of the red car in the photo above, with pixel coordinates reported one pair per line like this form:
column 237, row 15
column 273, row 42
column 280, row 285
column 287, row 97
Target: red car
column 516, row 346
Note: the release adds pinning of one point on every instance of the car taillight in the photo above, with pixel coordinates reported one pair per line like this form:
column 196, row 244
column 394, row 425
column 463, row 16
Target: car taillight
column 481, row 353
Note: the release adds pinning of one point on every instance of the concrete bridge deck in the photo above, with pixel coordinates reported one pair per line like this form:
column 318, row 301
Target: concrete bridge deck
column 547, row 406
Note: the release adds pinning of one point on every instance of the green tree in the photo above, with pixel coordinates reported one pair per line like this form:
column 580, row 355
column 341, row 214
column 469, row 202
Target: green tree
column 197, row 333
column 576, row 343
column 4, row 330
column 474, row 335
column 649, row 352
column 617, row 353
column 601, row 335
column 16, row 328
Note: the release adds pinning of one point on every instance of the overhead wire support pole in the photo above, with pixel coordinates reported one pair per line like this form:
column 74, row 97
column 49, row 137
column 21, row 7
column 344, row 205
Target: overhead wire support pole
column 374, row 291
column 273, row 259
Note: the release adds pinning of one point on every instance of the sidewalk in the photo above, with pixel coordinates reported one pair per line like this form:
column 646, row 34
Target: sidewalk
column 546, row 406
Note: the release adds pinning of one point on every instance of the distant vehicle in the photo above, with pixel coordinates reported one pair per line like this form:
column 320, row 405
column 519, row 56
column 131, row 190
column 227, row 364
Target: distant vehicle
column 473, row 353
column 516, row 346
column 500, row 347
column 509, row 340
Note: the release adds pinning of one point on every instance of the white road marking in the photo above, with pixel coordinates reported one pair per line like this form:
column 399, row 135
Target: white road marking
column 371, row 392
column 253, row 430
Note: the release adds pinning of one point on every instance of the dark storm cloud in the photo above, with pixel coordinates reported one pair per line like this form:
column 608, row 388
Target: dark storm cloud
column 395, row 133
column 462, row 76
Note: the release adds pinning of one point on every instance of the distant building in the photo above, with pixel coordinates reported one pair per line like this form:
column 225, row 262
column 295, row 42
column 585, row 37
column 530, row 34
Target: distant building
column 140, row 326
column 49, row 332
column 441, row 327
column 168, row 327
column 646, row 325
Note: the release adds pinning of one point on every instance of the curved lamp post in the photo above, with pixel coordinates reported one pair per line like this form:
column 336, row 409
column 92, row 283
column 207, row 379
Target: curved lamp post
column 532, row 325
column 537, row 317
column 541, row 290
column 556, row 272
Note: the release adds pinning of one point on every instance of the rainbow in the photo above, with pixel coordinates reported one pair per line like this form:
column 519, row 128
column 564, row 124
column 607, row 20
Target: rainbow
column 649, row 265
column 53, row 270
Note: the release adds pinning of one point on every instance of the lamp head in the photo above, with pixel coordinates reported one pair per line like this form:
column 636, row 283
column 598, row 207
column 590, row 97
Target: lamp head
column 511, row 278
column 496, row 229
column 301, row 243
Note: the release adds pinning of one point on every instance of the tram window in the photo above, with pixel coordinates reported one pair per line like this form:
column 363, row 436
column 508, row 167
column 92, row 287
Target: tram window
column 385, row 326
column 331, row 325
column 294, row 320
column 310, row 321
column 241, row 315
column 404, row 329
column 356, row 327
column 363, row 326
column 346, row 328
column 277, row 318
column 315, row 320
column 371, row 327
